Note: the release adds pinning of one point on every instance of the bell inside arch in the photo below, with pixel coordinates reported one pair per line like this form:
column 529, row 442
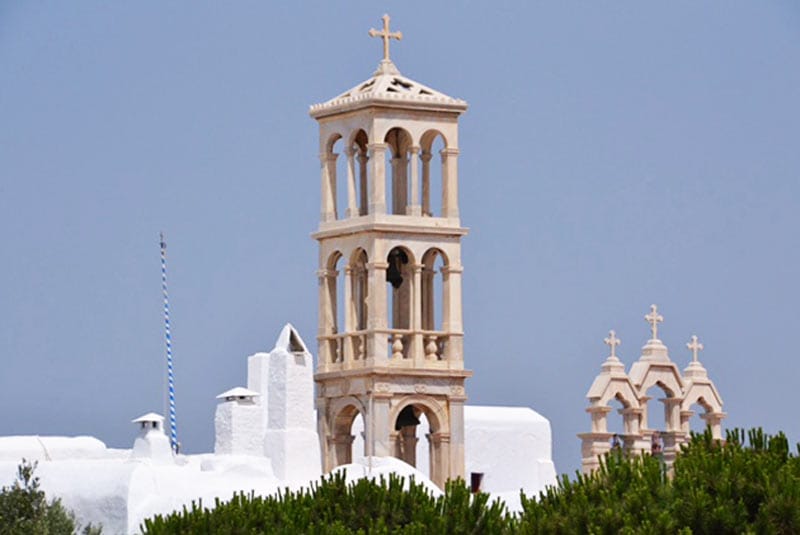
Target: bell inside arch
column 397, row 258
column 406, row 418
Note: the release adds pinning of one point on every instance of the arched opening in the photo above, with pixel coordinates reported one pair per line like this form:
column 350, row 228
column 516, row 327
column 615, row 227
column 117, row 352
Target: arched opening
column 658, row 415
column 412, row 436
column 347, row 440
column 398, row 142
column 615, row 421
column 335, row 309
column 434, row 313
column 399, row 278
column 358, row 303
column 431, row 164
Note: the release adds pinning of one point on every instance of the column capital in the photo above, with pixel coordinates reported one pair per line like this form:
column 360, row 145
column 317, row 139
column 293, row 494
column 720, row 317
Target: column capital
column 327, row 273
column 377, row 265
column 377, row 146
column 452, row 269
column 326, row 157
column 349, row 152
column 449, row 151
column 426, row 156
column 414, row 149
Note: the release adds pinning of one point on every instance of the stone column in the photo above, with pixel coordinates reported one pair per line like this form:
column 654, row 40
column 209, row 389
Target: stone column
column 399, row 184
column 328, row 187
column 451, row 312
column 363, row 202
column 377, row 203
column 449, row 183
column 426, row 182
column 672, row 407
column 440, row 457
column 686, row 417
column 349, row 314
column 414, row 207
column 327, row 315
column 342, row 448
column 377, row 425
column 417, row 351
column 377, row 348
column 457, row 438
column 352, row 207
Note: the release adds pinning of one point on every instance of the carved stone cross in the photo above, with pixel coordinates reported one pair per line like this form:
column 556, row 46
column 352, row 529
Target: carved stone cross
column 654, row 318
column 695, row 347
column 385, row 34
column 612, row 341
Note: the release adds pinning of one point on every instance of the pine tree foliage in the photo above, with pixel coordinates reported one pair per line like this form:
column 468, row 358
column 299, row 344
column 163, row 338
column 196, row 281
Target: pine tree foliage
column 24, row 509
column 334, row 507
column 748, row 483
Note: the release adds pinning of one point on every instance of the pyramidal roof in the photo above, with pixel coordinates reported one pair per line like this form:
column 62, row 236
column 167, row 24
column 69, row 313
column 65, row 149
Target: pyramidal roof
column 387, row 87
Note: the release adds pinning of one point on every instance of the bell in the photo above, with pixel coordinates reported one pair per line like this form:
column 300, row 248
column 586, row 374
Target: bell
column 406, row 418
column 393, row 274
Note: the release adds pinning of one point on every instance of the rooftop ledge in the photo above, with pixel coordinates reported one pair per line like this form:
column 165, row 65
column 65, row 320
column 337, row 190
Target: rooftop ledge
column 439, row 226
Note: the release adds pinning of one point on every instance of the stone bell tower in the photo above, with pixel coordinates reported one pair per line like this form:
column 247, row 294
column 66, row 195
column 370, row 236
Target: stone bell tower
column 390, row 330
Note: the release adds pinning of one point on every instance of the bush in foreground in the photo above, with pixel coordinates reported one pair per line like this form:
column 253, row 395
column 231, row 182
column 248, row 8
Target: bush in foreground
column 24, row 509
column 733, row 486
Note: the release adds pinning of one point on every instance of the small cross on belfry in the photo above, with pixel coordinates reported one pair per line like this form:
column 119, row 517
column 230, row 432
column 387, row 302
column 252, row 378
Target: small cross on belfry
column 612, row 341
column 654, row 318
column 695, row 347
column 385, row 34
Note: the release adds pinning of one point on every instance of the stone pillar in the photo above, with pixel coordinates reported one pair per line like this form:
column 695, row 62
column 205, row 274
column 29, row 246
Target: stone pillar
column 417, row 351
column 686, row 417
column 378, row 427
column 327, row 316
column 414, row 207
column 440, row 457
column 426, row 182
column 349, row 316
column 449, row 183
column 399, row 184
column 593, row 447
column 457, row 438
column 342, row 448
column 672, row 407
column 451, row 312
column 599, row 414
column 376, row 305
column 377, row 203
column 363, row 201
column 352, row 207
column 714, row 420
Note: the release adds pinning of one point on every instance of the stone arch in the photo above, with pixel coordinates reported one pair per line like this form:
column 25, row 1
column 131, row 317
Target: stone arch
column 399, row 143
column 359, row 288
column 343, row 412
column 432, row 186
column 706, row 397
column 399, row 302
column 333, row 309
column 403, row 439
column 435, row 300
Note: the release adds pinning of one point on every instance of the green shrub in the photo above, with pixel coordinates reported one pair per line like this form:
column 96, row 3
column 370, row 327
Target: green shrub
column 24, row 509
column 717, row 487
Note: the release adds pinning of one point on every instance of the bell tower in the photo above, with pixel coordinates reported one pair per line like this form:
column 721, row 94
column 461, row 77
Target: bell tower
column 390, row 328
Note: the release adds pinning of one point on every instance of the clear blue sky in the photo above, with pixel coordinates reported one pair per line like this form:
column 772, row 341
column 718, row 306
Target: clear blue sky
column 614, row 155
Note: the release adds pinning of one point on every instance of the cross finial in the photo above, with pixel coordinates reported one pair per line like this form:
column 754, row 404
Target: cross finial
column 612, row 341
column 654, row 318
column 695, row 347
column 385, row 35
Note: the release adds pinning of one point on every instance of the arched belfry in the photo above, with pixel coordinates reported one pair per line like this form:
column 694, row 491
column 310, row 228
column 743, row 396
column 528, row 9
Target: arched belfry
column 654, row 372
column 390, row 329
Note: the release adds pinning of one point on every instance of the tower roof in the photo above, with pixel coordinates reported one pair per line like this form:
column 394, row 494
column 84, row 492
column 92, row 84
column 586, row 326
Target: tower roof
column 387, row 87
